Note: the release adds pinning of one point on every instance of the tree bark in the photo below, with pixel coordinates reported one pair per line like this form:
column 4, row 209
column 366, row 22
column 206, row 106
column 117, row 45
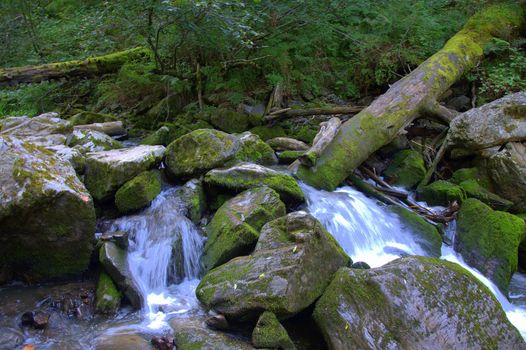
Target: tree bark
column 326, row 134
column 88, row 67
column 381, row 122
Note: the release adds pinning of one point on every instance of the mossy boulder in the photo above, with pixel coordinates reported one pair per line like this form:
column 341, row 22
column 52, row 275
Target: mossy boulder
column 407, row 169
column 192, row 334
column 107, row 171
column 139, row 192
column 253, row 149
column 246, row 175
column 427, row 235
column 86, row 140
column 107, row 297
column 41, row 125
column 468, row 174
column 287, row 157
column 199, row 151
column 270, row 334
column 489, row 240
column 159, row 137
column 229, row 121
column 287, row 144
column 86, row 117
column 47, row 217
column 293, row 262
column 234, row 229
column 268, row 132
column 441, row 193
column 413, row 303
column 473, row 189
column 114, row 261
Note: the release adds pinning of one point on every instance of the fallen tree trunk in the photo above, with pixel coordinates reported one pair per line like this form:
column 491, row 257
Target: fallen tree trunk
column 388, row 115
column 88, row 67
column 289, row 112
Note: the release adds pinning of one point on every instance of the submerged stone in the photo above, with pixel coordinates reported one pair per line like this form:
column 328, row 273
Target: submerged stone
column 413, row 303
column 234, row 229
column 139, row 192
column 489, row 241
column 107, row 298
column 289, row 269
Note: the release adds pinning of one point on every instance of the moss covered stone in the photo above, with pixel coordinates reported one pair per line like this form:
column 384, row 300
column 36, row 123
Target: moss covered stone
column 289, row 269
column 234, row 229
column 426, row 234
column 412, row 303
column 199, row 151
column 245, row 175
column 441, row 193
column 407, row 169
column 86, row 117
column 47, row 218
column 108, row 298
column 107, row 171
column 473, row 189
column 191, row 334
column 139, row 192
column 229, row 121
column 86, row 140
column 159, row 137
column 252, row 149
column 287, row 157
column 269, row 333
column 268, row 132
column 466, row 174
column 193, row 196
column 489, row 240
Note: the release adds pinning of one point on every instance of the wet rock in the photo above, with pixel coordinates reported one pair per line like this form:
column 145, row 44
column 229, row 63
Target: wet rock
column 245, row 175
column 234, row 229
column 193, row 196
column 426, row 235
column 123, row 341
column 441, row 193
column 289, row 269
column 493, row 124
column 199, row 151
column 47, row 218
column 489, row 241
column 108, row 297
column 41, row 125
column 91, row 141
column 35, row 319
column 139, row 192
column 253, row 149
column 270, row 334
column 401, row 306
column 107, row 171
column 10, row 338
column 218, row 322
column 287, row 144
column 360, row 265
column 287, row 157
column 163, row 343
column 113, row 260
column 193, row 335
column 120, row 238
column 407, row 169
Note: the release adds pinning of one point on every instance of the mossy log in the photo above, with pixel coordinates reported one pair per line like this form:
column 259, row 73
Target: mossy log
column 78, row 68
column 388, row 115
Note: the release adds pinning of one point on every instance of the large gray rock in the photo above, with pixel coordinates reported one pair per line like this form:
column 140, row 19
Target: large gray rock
column 246, row 175
column 234, row 229
column 113, row 260
column 194, row 335
column 47, row 218
column 42, row 125
column 413, row 303
column 91, row 141
column 70, row 155
column 293, row 262
column 493, row 124
column 107, row 171
column 199, row 151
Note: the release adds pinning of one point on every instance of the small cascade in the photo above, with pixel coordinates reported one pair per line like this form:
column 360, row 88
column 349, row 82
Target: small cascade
column 163, row 256
column 364, row 229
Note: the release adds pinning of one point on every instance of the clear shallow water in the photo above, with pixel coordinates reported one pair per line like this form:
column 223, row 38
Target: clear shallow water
column 367, row 232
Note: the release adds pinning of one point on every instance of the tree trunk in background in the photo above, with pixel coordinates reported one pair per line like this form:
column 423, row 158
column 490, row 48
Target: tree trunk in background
column 88, row 67
column 381, row 122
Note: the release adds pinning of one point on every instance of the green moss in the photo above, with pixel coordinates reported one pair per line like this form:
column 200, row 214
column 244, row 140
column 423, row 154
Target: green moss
column 254, row 150
column 86, row 117
column 476, row 174
column 489, row 240
column 267, row 133
column 407, row 169
column 108, row 297
column 159, row 137
column 269, row 333
column 229, row 121
column 287, row 157
column 474, row 190
column 138, row 192
column 441, row 193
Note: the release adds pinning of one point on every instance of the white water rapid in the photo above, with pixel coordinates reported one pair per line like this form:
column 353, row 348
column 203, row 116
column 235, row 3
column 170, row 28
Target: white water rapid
column 369, row 233
column 163, row 257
